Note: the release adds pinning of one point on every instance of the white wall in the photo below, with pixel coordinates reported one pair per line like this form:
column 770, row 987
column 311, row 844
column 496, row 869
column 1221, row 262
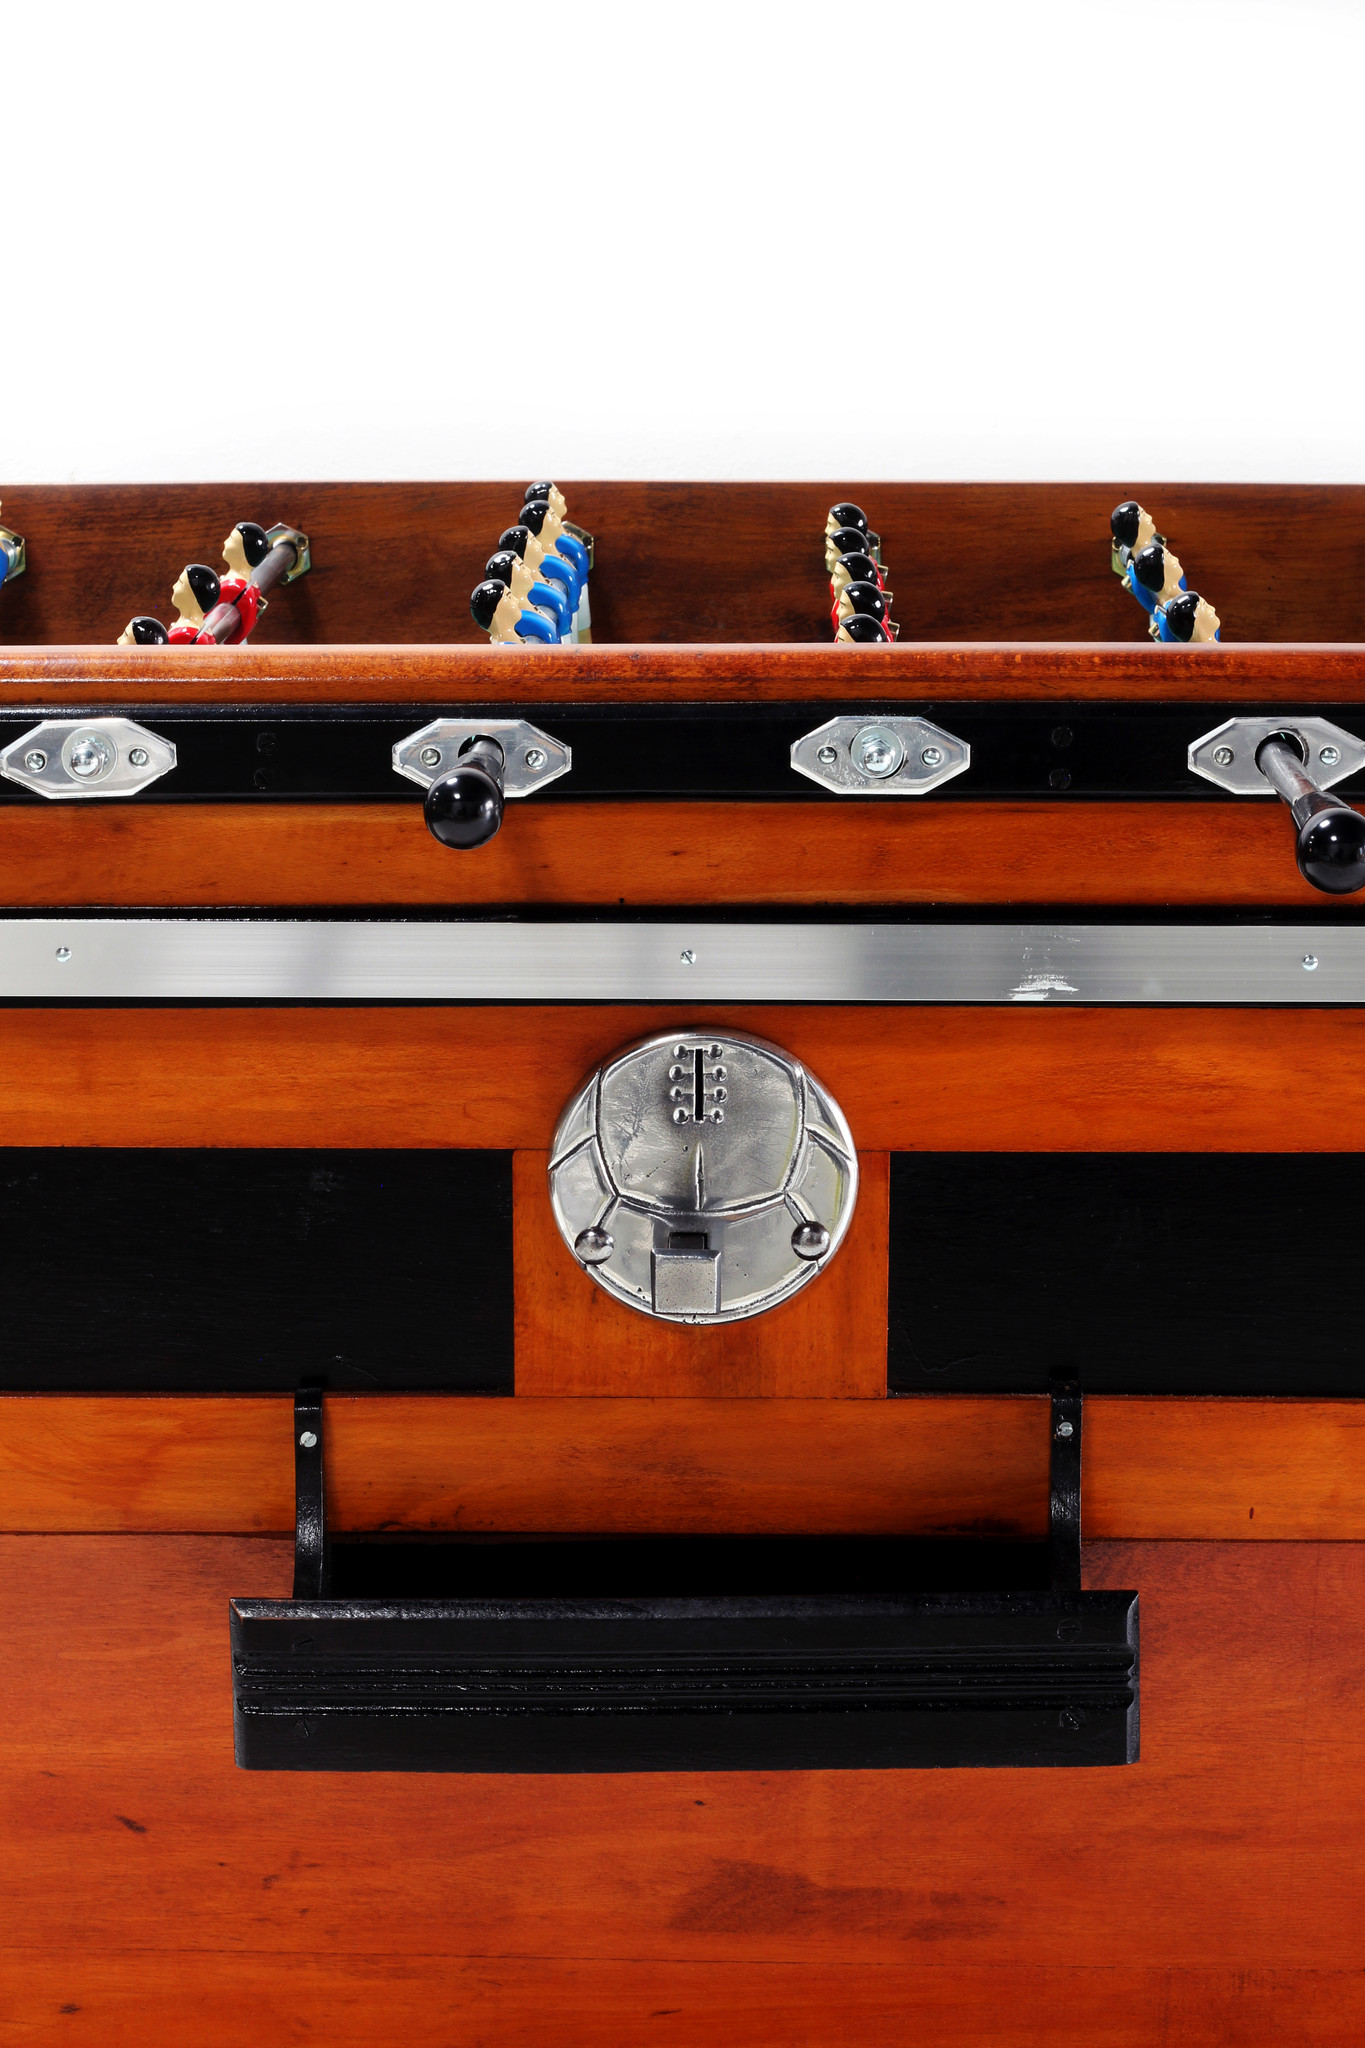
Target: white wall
column 595, row 239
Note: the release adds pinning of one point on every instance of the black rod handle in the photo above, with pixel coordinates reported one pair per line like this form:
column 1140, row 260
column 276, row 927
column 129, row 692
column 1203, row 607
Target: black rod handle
column 463, row 807
column 1331, row 836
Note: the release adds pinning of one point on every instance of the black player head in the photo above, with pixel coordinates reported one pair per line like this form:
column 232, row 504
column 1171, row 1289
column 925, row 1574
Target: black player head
column 484, row 601
column 1124, row 521
column 846, row 540
column 1149, row 565
column 255, row 542
column 515, row 539
column 143, row 632
column 499, row 566
column 538, row 494
column 862, row 629
column 204, row 584
column 864, row 600
column 1182, row 613
column 858, row 568
column 847, row 515
column 534, row 514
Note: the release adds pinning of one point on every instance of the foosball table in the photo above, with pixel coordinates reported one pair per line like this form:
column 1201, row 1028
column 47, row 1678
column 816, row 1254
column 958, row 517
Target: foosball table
column 601, row 1181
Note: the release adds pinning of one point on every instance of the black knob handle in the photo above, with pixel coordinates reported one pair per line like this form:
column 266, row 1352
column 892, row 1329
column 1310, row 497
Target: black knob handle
column 1331, row 841
column 463, row 807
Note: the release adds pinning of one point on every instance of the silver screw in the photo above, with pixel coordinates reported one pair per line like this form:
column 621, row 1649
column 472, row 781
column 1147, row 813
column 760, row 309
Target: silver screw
column 1065, row 1429
column 688, row 957
column 308, row 1439
column 827, row 756
column 717, row 1116
column 63, row 952
column 138, row 757
column 1222, row 757
column 1329, row 756
column 430, row 757
column 88, row 756
column 536, row 757
column 810, row 1240
column 680, row 1116
column 932, row 757
column 36, row 761
column 594, row 1245
column 1310, row 961
column 877, row 751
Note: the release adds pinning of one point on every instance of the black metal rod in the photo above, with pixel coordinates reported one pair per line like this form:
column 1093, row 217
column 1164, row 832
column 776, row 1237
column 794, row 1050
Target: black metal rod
column 1064, row 1488
column 311, row 1550
column 223, row 619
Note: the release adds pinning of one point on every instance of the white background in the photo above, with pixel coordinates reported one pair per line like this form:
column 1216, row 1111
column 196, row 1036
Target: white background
column 1048, row 240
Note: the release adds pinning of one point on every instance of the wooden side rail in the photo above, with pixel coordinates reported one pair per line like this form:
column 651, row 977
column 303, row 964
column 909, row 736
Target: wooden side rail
column 742, row 672
column 932, row 1465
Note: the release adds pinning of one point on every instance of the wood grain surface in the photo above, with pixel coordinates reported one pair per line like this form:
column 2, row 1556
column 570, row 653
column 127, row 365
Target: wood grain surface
column 573, row 1338
column 934, row 1080
column 651, row 854
column 919, row 675
column 699, row 561
column 1228, row 1469
column 1207, row 1896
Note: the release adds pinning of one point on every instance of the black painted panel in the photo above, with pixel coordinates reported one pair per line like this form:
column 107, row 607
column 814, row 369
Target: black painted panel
column 1151, row 1273
column 281, row 753
column 242, row 1272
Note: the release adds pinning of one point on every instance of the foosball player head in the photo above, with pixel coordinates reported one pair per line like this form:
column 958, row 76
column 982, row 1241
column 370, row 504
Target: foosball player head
column 143, row 632
column 1188, row 619
column 856, row 569
column 862, row 631
column 197, row 591
column 863, row 600
column 1130, row 528
column 246, row 547
column 550, row 494
column 846, row 540
column 1155, row 575
column 846, row 514
column 546, row 524
column 547, row 494
column 506, row 622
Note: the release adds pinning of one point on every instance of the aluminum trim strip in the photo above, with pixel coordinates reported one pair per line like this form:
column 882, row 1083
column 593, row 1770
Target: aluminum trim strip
column 683, row 962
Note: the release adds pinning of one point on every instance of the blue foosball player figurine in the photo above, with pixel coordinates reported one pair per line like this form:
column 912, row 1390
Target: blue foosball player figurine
column 1130, row 528
column 1155, row 577
column 1186, row 620
column 13, row 558
column 551, row 495
column 547, row 568
column 507, row 622
column 547, row 525
column 528, row 589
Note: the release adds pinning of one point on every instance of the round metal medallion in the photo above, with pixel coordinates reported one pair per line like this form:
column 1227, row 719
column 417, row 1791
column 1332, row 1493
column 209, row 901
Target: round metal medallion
column 703, row 1176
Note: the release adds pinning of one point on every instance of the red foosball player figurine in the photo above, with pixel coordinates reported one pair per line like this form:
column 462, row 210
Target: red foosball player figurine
column 861, row 630
column 846, row 515
column 196, row 592
column 854, row 569
column 245, row 548
column 846, row 540
column 865, row 601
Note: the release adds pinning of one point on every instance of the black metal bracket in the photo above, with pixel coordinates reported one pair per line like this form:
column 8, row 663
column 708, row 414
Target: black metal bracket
column 685, row 1653
column 312, row 1549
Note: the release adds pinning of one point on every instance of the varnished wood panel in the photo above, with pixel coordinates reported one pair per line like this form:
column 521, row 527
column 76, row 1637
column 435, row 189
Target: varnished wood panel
column 656, row 854
column 1208, row 1895
column 761, row 673
column 572, row 1338
column 1249, row 1470
column 933, row 1080
column 700, row 561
